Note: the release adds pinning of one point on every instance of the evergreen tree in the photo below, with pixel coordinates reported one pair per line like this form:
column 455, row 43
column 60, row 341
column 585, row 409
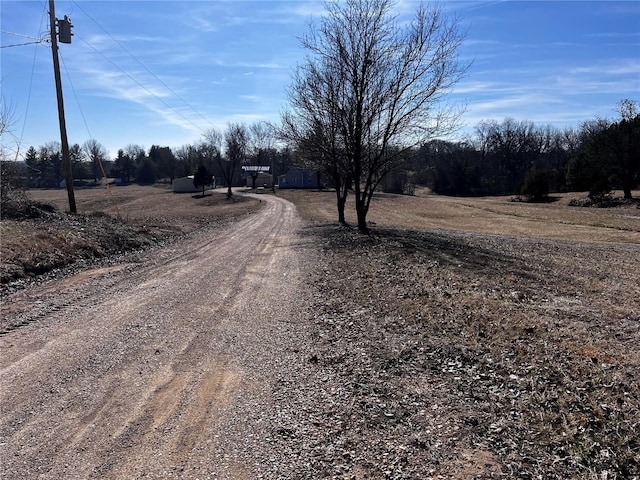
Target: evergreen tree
column 202, row 178
column 146, row 174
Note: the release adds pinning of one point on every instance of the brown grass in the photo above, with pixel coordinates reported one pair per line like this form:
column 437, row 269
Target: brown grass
column 488, row 329
column 498, row 215
column 154, row 205
column 471, row 337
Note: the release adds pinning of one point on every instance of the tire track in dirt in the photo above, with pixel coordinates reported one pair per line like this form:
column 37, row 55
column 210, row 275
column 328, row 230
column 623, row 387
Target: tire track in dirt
column 138, row 382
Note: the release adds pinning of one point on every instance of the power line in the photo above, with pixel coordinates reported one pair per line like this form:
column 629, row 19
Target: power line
column 86, row 125
column 21, row 44
column 21, row 35
column 139, row 84
column 143, row 65
column 33, row 68
column 37, row 40
column 75, row 95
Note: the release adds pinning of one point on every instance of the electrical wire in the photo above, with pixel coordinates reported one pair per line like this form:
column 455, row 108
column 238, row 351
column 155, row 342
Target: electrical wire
column 143, row 65
column 33, row 68
column 37, row 39
column 75, row 95
column 86, row 125
column 140, row 84
column 21, row 44
column 21, row 35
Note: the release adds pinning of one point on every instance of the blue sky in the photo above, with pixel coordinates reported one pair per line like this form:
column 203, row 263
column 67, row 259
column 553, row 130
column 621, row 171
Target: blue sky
column 161, row 72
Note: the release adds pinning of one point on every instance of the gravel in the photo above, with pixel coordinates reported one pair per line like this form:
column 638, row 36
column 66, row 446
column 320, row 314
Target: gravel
column 403, row 354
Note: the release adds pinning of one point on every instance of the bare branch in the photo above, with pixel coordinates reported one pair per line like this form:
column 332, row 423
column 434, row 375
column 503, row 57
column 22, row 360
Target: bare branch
column 370, row 88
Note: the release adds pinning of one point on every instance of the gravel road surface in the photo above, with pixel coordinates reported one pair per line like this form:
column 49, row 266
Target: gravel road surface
column 159, row 369
column 274, row 347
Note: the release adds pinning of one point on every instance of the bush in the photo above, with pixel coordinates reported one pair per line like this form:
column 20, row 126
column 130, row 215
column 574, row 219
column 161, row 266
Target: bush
column 402, row 182
column 14, row 203
column 536, row 185
column 600, row 191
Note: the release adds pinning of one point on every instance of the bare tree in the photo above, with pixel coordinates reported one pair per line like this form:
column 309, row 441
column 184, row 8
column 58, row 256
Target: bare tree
column 620, row 140
column 187, row 159
column 10, row 196
column 512, row 148
column 628, row 109
column 236, row 149
column 96, row 154
column 625, row 144
column 261, row 152
column 236, row 146
column 319, row 147
column 207, row 154
column 7, row 120
column 375, row 86
column 210, row 151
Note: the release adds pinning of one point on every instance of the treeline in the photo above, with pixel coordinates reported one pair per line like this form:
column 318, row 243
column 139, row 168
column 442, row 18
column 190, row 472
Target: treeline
column 222, row 153
column 520, row 157
column 510, row 157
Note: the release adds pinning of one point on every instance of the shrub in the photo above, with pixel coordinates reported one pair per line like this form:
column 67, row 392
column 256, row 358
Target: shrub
column 14, row 203
column 600, row 191
column 536, row 185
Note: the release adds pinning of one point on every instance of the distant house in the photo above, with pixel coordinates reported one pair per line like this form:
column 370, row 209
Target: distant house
column 185, row 185
column 299, row 178
column 264, row 180
column 260, row 173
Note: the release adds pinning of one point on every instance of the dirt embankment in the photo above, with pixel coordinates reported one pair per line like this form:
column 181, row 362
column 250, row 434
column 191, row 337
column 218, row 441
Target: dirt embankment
column 111, row 226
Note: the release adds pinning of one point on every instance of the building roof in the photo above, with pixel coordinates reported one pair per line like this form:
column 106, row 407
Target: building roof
column 256, row 168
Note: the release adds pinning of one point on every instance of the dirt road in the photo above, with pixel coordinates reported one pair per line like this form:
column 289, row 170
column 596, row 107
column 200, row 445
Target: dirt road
column 154, row 370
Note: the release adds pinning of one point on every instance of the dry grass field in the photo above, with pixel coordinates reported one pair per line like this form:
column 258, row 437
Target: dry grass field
column 467, row 337
column 498, row 215
column 496, row 339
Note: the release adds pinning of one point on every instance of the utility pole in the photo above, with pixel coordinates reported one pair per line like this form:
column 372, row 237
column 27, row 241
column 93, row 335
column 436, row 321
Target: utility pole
column 66, row 159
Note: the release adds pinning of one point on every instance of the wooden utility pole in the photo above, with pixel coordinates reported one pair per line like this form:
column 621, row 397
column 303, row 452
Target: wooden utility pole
column 66, row 159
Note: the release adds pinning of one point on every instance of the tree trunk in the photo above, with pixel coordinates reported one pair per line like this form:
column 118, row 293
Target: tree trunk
column 362, row 220
column 342, row 190
column 361, row 212
column 627, row 192
column 229, row 177
column 341, row 201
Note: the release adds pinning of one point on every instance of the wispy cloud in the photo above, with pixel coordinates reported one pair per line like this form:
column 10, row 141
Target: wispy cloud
column 630, row 35
column 621, row 67
column 211, row 17
column 251, row 98
column 509, row 102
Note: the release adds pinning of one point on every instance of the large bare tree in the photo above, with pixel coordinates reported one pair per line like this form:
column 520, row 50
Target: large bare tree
column 372, row 87
column 96, row 154
column 235, row 142
column 261, row 139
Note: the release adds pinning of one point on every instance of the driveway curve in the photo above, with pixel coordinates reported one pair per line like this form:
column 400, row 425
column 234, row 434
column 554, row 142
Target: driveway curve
column 157, row 370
